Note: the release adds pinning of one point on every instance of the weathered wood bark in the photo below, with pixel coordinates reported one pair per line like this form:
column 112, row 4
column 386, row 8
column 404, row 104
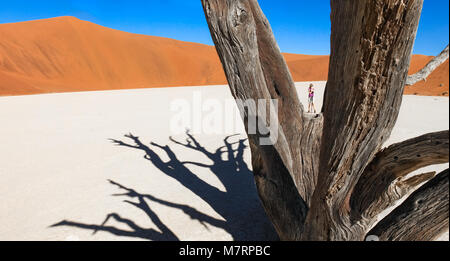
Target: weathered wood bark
column 371, row 45
column 423, row 74
column 383, row 182
column 422, row 216
column 307, row 177
column 256, row 70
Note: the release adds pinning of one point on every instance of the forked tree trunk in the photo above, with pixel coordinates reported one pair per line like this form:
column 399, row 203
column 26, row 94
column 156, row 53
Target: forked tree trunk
column 312, row 180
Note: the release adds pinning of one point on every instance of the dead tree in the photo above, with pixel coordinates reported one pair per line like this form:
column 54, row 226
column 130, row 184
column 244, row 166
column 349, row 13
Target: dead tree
column 327, row 176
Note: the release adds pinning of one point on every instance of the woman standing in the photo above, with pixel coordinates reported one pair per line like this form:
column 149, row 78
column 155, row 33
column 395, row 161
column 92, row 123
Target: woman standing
column 311, row 98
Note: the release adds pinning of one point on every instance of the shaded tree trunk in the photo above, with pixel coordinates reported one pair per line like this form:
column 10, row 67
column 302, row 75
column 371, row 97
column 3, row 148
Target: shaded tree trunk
column 308, row 179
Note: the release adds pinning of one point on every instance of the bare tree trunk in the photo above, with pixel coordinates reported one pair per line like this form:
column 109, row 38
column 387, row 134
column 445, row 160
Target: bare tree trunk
column 307, row 179
column 429, row 68
column 256, row 70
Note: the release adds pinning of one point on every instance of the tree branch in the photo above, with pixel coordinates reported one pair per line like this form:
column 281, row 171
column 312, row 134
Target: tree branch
column 429, row 68
column 382, row 183
column 423, row 216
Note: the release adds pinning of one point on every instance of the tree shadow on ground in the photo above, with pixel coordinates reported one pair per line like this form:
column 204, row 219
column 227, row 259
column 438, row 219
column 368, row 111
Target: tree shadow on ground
column 244, row 217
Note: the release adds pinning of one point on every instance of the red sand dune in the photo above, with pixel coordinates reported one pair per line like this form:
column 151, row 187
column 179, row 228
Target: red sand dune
column 66, row 54
column 436, row 84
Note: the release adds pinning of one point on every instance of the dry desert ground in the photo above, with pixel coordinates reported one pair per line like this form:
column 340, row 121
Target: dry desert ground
column 67, row 172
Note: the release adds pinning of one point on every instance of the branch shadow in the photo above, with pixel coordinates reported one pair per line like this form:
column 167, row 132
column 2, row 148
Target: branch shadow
column 137, row 232
column 239, row 205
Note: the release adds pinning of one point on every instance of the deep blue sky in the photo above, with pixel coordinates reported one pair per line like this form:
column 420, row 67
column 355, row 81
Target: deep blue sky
column 300, row 26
